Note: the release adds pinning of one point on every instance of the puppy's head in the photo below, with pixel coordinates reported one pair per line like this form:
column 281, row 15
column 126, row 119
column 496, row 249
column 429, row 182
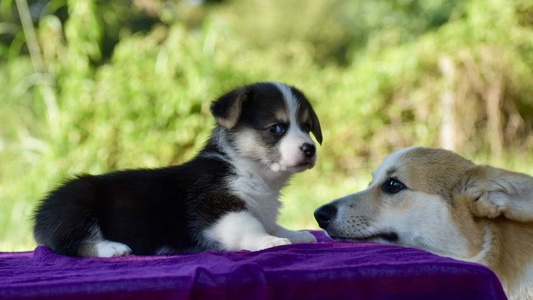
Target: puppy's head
column 418, row 197
column 270, row 123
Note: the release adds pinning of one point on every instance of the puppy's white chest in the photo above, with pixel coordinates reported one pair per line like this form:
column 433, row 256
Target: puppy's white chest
column 262, row 200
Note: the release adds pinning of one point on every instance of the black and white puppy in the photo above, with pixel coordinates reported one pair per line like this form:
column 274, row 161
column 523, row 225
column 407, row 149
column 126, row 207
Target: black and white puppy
column 226, row 198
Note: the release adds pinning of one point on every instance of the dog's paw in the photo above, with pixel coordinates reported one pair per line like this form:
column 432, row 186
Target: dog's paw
column 301, row 237
column 111, row 249
column 271, row 241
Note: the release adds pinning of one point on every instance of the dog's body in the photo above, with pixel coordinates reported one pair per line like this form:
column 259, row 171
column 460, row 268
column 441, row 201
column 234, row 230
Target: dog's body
column 438, row 201
column 226, row 198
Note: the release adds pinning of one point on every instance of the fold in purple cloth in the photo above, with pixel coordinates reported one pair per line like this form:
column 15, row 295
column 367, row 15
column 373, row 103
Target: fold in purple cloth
column 325, row 270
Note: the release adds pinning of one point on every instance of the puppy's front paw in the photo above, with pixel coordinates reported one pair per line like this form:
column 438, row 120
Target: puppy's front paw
column 111, row 249
column 271, row 241
column 302, row 237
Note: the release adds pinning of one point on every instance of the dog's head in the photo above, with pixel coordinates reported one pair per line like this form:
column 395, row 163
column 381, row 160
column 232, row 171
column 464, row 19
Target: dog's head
column 427, row 198
column 270, row 123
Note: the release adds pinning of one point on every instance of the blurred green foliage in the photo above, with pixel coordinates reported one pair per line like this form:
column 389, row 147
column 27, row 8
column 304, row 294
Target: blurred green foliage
column 106, row 85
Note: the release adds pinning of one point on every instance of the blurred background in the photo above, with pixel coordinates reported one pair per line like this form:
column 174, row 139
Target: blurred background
column 90, row 86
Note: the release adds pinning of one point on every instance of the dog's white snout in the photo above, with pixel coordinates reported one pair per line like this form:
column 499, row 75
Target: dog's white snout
column 297, row 149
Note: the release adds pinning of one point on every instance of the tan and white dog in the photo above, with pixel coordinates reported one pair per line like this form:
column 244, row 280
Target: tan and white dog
column 438, row 201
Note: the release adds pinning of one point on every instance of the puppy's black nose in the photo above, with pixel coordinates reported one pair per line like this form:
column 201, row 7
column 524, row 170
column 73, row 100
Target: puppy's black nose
column 325, row 214
column 308, row 149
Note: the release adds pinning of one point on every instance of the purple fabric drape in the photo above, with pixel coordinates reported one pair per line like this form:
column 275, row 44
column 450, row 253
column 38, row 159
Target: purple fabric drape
column 325, row 270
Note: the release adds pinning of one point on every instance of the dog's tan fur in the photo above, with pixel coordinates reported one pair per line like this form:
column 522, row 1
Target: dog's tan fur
column 451, row 207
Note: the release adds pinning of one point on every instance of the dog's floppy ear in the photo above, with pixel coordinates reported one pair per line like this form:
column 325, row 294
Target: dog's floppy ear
column 227, row 108
column 499, row 193
column 315, row 127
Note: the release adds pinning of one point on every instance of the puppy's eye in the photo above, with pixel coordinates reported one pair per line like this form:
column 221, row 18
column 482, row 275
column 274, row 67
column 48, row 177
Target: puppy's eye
column 277, row 130
column 392, row 186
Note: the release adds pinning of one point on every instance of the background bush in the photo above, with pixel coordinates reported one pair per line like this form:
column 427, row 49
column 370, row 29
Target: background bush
column 91, row 86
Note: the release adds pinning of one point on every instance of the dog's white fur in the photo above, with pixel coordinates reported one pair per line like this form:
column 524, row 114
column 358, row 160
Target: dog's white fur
column 450, row 207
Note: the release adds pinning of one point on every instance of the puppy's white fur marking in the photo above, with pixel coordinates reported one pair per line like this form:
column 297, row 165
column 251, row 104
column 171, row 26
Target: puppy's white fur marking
column 261, row 191
column 111, row 249
column 258, row 186
column 295, row 236
column 291, row 154
column 104, row 248
column 241, row 230
column 289, row 147
column 97, row 246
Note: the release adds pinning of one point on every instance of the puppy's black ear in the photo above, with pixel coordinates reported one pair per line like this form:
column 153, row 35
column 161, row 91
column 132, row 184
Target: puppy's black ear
column 227, row 108
column 315, row 127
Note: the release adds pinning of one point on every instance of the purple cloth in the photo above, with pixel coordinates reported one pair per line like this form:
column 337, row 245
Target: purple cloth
column 325, row 270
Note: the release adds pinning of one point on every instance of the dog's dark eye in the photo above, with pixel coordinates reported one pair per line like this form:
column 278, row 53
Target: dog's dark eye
column 392, row 186
column 277, row 130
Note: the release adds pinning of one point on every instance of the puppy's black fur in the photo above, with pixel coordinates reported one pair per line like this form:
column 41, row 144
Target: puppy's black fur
column 144, row 209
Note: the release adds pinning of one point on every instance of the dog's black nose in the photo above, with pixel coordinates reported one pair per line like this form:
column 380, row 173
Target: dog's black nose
column 325, row 214
column 308, row 149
